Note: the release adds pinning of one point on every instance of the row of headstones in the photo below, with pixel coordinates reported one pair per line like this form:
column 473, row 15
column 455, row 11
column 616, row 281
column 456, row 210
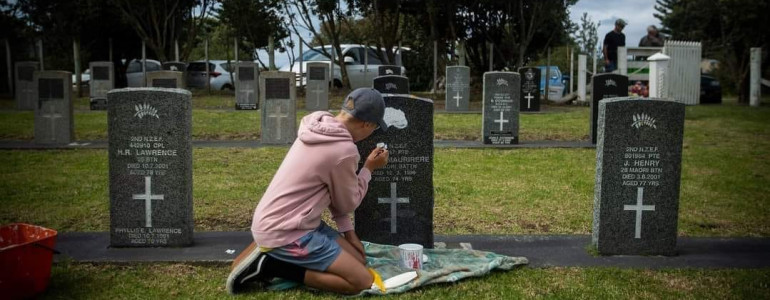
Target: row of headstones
column 102, row 81
column 500, row 95
column 501, row 98
column 638, row 167
column 247, row 83
column 49, row 94
column 458, row 90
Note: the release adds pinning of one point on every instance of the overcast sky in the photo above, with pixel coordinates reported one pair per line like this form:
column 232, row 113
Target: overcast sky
column 638, row 14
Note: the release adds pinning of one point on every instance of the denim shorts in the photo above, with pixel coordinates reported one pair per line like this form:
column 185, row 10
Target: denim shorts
column 316, row 250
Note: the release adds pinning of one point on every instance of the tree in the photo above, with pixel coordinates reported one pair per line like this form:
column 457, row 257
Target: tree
column 727, row 30
column 663, row 8
column 587, row 37
column 302, row 15
column 161, row 23
column 537, row 15
column 252, row 22
column 385, row 24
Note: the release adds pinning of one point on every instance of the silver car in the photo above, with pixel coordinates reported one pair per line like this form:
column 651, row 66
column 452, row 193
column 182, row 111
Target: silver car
column 359, row 74
column 219, row 74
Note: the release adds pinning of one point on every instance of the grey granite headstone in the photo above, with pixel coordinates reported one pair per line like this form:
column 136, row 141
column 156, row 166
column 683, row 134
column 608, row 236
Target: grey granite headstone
column 317, row 88
column 638, row 169
column 530, row 89
column 398, row 207
column 102, row 81
column 384, row 70
column 54, row 123
column 458, row 92
column 26, row 86
column 246, row 85
column 150, row 157
column 391, row 84
column 501, row 108
column 606, row 85
column 279, row 117
column 174, row 66
column 166, row 79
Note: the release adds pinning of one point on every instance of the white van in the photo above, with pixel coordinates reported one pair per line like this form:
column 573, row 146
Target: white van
column 354, row 60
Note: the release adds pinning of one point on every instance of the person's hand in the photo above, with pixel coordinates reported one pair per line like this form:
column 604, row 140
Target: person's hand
column 378, row 158
column 353, row 239
column 607, row 61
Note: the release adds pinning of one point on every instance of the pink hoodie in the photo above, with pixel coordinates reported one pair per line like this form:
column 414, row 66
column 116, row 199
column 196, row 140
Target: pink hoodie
column 318, row 172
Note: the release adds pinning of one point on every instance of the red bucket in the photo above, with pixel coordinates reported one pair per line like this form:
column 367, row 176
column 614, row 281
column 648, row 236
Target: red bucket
column 26, row 253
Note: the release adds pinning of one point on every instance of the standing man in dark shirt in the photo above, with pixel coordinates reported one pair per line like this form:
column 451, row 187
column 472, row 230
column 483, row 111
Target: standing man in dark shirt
column 612, row 41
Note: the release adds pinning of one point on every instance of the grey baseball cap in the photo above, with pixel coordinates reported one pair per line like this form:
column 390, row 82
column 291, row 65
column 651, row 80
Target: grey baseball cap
column 366, row 104
column 621, row 22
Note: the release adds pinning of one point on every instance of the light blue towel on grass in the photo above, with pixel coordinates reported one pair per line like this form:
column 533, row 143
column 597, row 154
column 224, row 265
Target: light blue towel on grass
column 443, row 265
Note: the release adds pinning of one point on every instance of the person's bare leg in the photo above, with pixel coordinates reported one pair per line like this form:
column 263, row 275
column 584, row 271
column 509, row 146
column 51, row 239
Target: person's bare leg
column 352, row 250
column 345, row 275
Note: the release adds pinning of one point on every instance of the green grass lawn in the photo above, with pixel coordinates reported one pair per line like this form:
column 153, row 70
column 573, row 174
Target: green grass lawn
column 164, row 281
column 214, row 119
column 725, row 175
column 725, row 171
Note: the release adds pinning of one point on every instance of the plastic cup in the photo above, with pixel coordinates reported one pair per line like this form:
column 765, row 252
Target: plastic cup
column 411, row 256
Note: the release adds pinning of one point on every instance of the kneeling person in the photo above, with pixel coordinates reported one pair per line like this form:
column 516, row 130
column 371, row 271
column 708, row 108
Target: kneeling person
column 318, row 172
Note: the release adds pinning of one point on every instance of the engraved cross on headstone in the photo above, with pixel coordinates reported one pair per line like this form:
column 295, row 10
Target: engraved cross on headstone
column 457, row 98
column 148, row 197
column 247, row 92
column 501, row 121
column 278, row 115
column 52, row 116
column 28, row 90
column 393, row 200
column 639, row 208
column 529, row 98
column 317, row 93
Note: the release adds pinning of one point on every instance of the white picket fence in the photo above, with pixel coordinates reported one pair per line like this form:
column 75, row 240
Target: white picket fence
column 683, row 71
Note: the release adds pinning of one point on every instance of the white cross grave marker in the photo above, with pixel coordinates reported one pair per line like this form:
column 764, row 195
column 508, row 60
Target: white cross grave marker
column 393, row 200
column 317, row 93
column 278, row 115
column 248, row 94
column 457, row 98
column 27, row 90
column 639, row 208
column 529, row 98
column 52, row 116
column 147, row 197
column 501, row 121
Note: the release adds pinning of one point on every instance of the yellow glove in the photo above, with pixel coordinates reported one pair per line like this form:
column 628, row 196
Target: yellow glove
column 377, row 280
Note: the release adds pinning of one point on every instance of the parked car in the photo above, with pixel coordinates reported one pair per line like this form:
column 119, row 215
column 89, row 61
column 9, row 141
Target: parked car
column 354, row 61
column 219, row 74
column 710, row 89
column 556, row 86
column 134, row 74
column 85, row 78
